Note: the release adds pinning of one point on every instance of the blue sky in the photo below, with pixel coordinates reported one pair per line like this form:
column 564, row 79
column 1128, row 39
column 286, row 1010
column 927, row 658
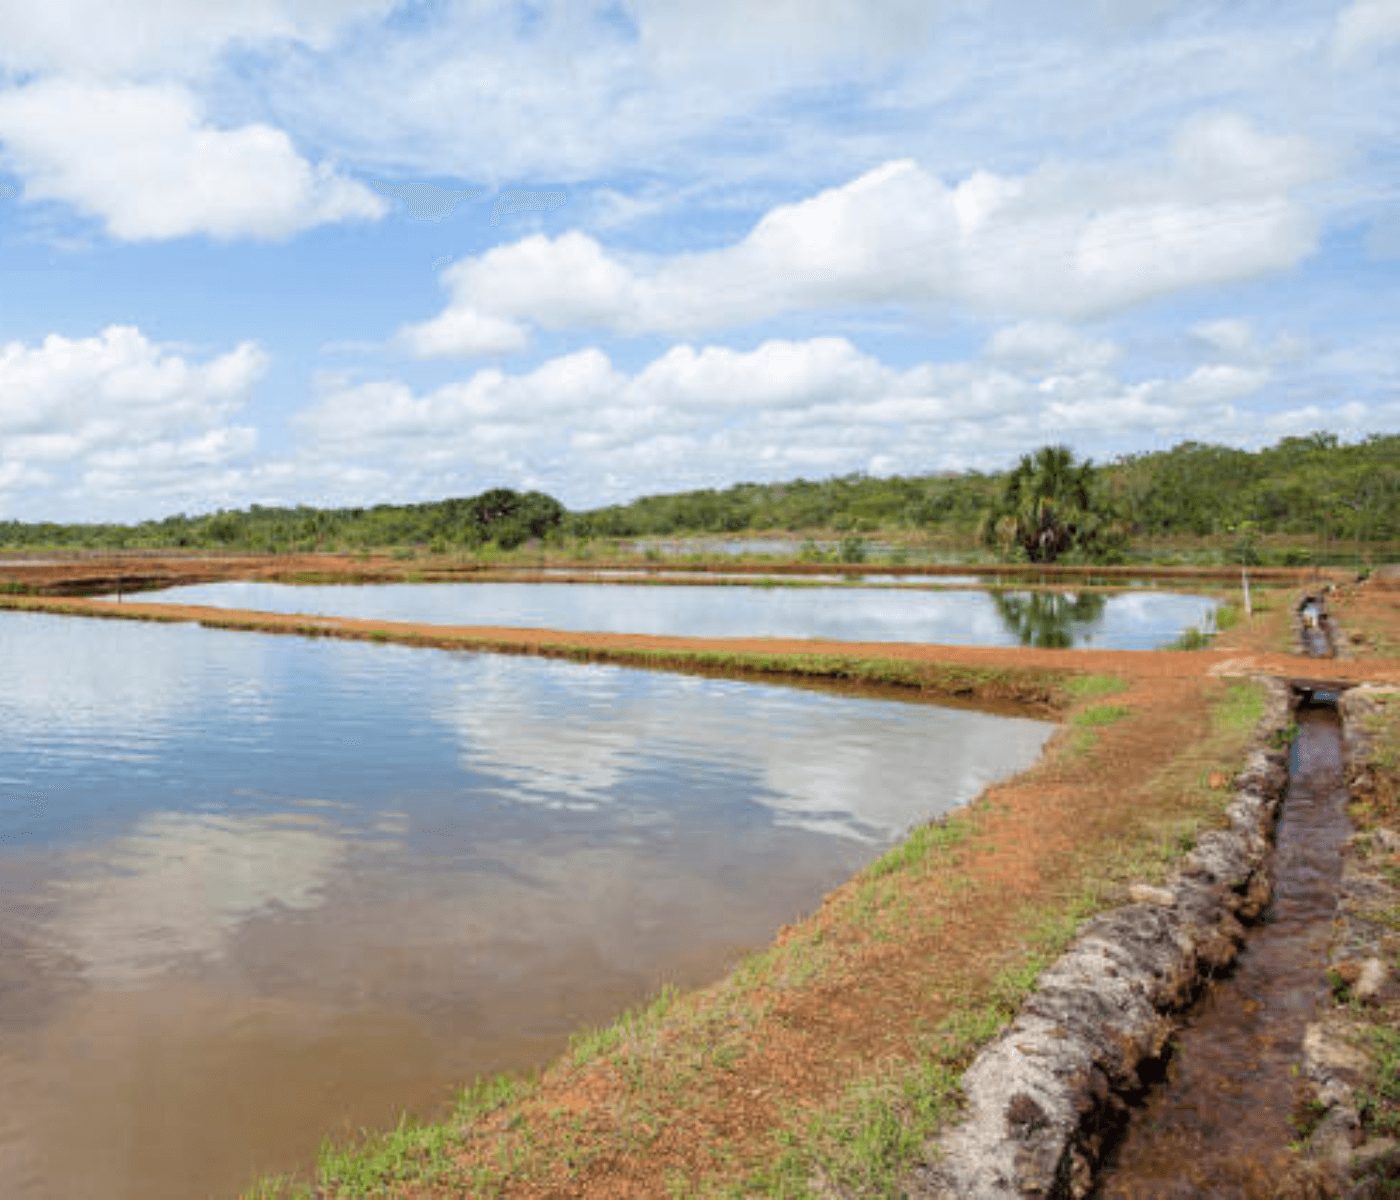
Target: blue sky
column 349, row 251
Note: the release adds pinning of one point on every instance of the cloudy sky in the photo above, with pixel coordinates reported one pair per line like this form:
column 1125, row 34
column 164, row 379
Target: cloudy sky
column 340, row 251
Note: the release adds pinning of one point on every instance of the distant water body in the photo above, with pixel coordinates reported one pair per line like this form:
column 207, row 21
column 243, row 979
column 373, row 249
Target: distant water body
column 1111, row 621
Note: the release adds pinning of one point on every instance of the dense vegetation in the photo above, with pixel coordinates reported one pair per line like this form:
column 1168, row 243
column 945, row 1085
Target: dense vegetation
column 500, row 516
column 1313, row 487
column 858, row 503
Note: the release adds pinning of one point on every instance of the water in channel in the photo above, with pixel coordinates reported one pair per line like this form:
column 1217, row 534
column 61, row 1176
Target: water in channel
column 1119, row 621
column 255, row 890
column 1220, row 1125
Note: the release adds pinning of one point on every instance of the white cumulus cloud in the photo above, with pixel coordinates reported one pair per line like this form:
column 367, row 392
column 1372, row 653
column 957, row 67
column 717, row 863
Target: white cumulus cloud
column 119, row 408
column 1061, row 242
column 707, row 415
column 143, row 160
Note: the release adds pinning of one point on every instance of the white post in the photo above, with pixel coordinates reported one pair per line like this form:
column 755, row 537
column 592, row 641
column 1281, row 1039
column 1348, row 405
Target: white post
column 1244, row 583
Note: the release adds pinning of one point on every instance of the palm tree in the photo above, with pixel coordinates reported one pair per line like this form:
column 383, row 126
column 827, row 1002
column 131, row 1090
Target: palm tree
column 1046, row 507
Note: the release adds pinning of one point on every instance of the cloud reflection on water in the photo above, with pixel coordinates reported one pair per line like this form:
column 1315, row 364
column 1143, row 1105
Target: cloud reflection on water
column 179, row 885
column 77, row 679
column 816, row 762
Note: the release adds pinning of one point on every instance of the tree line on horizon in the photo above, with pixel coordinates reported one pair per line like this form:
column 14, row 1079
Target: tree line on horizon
column 1047, row 506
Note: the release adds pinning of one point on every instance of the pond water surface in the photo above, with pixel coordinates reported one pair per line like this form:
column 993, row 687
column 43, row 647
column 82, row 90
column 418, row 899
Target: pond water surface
column 1114, row 621
column 258, row 889
column 850, row 579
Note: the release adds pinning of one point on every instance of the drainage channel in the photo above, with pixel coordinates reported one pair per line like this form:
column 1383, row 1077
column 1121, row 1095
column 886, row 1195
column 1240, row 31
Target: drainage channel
column 1221, row 1123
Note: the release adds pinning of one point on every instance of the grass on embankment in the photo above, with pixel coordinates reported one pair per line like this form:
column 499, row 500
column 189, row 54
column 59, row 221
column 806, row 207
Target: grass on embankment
column 823, row 1063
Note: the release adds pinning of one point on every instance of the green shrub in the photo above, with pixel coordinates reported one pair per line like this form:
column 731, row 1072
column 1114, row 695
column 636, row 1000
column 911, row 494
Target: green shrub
column 852, row 549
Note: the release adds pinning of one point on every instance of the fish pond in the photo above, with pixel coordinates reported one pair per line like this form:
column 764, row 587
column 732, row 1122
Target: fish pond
column 257, row 890
column 1110, row 621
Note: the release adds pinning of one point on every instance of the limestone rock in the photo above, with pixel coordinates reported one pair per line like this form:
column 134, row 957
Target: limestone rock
column 1387, row 841
column 1327, row 1054
column 1370, row 980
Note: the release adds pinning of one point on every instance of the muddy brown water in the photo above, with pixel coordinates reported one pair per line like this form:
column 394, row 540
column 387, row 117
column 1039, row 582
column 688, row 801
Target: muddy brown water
column 259, row 890
column 1221, row 1125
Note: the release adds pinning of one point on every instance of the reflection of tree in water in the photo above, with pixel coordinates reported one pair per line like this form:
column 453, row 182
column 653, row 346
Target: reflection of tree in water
column 1047, row 619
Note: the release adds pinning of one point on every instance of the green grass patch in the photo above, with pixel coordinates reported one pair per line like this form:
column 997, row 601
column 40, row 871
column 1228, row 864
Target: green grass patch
column 1085, row 725
column 920, row 847
column 411, row 1152
column 1380, row 1099
column 1240, row 709
column 863, row 1145
column 584, row 1047
column 487, row 1094
column 1093, row 687
column 779, row 967
column 1098, row 715
column 1192, row 639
